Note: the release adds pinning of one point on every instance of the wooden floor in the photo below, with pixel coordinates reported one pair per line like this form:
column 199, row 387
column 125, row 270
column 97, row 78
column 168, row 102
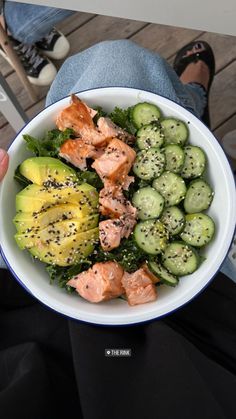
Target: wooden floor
column 84, row 30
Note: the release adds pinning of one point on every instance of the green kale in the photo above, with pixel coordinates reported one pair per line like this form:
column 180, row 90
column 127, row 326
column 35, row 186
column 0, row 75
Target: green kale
column 100, row 112
column 48, row 145
column 90, row 177
column 128, row 255
column 122, row 118
column 22, row 180
column 62, row 274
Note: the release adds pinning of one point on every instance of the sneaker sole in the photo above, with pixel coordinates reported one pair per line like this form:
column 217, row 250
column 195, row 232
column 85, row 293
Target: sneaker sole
column 47, row 74
column 60, row 50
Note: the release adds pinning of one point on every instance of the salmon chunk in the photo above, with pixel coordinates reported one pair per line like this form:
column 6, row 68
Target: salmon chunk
column 75, row 116
column 115, row 163
column 76, row 152
column 99, row 283
column 79, row 117
column 109, row 129
column 139, row 287
column 112, row 231
column 114, row 204
column 155, row 279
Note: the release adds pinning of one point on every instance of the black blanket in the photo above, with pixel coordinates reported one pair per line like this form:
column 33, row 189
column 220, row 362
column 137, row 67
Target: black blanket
column 183, row 366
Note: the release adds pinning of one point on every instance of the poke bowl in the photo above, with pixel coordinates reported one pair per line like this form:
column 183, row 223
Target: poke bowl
column 31, row 273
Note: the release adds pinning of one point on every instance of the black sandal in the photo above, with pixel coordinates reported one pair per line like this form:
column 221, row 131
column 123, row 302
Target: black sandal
column 182, row 60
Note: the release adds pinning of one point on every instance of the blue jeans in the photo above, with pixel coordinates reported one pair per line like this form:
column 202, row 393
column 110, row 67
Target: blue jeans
column 29, row 23
column 123, row 63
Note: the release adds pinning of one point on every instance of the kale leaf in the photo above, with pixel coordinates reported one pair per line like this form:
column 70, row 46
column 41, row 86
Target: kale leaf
column 62, row 274
column 122, row 117
column 100, row 112
column 128, row 255
column 49, row 145
column 90, row 177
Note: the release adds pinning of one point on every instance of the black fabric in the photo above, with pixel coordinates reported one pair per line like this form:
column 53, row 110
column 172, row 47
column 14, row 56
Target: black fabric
column 182, row 366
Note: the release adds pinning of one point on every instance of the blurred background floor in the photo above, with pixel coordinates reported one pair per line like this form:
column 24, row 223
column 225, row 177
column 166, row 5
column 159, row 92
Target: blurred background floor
column 84, row 30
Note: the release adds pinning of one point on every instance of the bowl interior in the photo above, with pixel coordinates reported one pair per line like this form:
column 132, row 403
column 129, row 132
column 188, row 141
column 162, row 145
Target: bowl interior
column 32, row 274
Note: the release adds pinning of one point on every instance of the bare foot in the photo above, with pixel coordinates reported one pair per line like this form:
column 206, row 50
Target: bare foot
column 196, row 72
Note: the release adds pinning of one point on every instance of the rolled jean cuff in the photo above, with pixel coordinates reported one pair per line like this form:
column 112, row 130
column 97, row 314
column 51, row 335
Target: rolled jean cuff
column 199, row 97
column 29, row 23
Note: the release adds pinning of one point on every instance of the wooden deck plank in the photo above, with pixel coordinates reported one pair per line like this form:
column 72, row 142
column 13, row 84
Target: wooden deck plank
column 227, row 126
column 165, row 40
column 102, row 28
column 224, row 47
column 223, row 96
column 74, row 22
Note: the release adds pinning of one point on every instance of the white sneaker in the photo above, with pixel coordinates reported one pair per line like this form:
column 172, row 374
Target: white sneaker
column 54, row 45
column 39, row 69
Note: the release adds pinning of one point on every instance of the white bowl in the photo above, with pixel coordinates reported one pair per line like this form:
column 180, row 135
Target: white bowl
column 32, row 275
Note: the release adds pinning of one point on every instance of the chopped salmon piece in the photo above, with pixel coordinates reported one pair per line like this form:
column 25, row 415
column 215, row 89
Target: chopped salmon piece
column 109, row 129
column 78, row 116
column 142, row 295
column 128, row 180
column 112, row 202
column 155, row 279
column 76, row 152
column 112, row 231
column 123, row 218
column 115, row 163
column 110, row 234
column 139, row 288
column 99, row 283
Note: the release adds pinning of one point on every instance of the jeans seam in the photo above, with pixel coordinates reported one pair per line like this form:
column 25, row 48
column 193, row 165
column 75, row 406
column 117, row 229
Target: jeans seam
column 38, row 24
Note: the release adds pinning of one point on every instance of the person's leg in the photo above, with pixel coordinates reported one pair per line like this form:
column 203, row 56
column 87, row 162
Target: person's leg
column 124, row 63
column 29, row 23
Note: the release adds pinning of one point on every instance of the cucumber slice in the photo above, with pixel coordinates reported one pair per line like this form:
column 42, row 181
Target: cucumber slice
column 144, row 113
column 149, row 164
column 195, row 162
column 175, row 157
column 151, row 236
column 150, row 136
column 175, row 131
column 148, row 202
column 173, row 219
column 199, row 229
column 165, row 276
column 198, row 197
column 180, row 259
column 171, row 186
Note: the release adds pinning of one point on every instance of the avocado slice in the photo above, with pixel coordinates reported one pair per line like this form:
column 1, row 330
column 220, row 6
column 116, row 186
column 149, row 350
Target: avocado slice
column 70, row 250
column 35, row 198
column 26, row 221
column 48, row 171
column 56, row 232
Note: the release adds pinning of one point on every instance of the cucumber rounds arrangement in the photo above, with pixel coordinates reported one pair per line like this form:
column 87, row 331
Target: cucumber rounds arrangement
column 172, row 226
